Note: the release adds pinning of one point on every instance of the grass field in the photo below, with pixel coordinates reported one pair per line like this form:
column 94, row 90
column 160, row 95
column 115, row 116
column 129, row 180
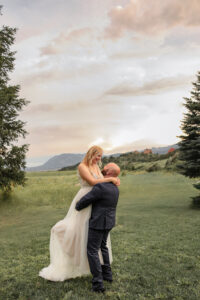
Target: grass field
column 155, row 243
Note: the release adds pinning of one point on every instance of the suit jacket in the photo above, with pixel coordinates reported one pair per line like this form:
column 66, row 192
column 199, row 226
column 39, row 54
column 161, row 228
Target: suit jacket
column 104, row 198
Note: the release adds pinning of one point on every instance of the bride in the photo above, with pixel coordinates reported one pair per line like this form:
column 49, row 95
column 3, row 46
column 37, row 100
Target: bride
column 68, row 240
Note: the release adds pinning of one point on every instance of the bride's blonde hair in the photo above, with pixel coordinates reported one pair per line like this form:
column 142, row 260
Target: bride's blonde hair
column 90, row 155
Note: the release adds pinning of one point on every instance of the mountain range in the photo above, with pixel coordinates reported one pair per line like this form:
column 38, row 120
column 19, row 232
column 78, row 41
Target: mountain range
column 69, row 159
column 57, row 162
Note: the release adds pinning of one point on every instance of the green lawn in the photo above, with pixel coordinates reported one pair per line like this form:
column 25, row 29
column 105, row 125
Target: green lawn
column 155, row 243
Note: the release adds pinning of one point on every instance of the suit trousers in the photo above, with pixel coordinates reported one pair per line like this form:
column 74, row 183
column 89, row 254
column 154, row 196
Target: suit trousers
column 97, row 239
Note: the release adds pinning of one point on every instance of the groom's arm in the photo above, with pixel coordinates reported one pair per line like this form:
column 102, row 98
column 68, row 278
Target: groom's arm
column 89, row 198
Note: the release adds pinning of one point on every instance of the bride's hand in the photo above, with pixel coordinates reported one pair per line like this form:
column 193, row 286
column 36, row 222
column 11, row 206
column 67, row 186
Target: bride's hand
column 116, row 181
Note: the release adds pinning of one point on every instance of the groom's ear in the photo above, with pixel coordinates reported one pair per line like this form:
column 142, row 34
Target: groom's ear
column 103, row 172
column 108, row 172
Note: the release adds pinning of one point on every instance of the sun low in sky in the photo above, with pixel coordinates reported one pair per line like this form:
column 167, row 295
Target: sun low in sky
column 109, row 72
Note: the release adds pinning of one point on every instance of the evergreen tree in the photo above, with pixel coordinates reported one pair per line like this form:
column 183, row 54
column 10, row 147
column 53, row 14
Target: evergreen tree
column 190, row 140
column 12, row 157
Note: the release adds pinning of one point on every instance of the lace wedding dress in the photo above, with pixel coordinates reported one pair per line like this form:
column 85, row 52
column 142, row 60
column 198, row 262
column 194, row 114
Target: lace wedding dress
column 68, row 242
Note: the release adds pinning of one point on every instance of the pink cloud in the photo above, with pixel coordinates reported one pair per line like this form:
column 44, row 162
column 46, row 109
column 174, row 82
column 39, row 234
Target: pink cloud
column 152, row 17
column 58, row 139
column 59, row 43
column 152, row 87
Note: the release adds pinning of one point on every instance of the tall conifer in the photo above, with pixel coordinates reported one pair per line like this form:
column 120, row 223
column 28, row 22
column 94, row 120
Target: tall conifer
column 190, row 140
column 12, row 156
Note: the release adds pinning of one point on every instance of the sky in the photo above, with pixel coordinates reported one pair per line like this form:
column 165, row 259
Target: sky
column 111, row 72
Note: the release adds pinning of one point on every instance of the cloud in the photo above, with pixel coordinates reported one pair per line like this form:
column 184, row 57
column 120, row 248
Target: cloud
column 41, row 108
column 55, row 109
column 154, row 87
column 36, row 18
column 151, row 17
column 55, row 139
column 126, row 147
column 55, row 75
column 42, row 76
column 135, row 145
column 185, row 39
column 129, row 55
column 72, row 68
column 81, row 36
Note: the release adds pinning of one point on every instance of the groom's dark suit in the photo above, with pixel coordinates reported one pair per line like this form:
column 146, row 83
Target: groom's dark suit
column 104, row 198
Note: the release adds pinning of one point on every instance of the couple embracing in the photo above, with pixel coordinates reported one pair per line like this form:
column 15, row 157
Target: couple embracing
column 80, row 243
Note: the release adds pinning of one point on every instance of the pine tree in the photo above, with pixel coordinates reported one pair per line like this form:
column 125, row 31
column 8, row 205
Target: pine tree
column 190, row 140
column 12, row 156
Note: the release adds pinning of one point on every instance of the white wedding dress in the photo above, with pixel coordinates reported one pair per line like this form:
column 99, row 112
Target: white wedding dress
column 68, row 242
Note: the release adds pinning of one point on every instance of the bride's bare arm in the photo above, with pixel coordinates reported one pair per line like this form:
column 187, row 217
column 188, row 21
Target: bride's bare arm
column 86, row 175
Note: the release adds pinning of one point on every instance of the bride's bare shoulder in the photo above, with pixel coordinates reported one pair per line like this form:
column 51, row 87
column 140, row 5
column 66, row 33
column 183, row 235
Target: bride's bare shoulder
column 83, row 170
column 82, row 166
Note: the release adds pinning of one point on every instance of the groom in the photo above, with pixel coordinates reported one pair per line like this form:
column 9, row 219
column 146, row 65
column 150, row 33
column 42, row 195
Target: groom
column 104, row 198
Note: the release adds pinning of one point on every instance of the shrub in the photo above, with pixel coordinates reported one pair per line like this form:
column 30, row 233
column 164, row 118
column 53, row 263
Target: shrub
column 153, row 168
column 123, row 173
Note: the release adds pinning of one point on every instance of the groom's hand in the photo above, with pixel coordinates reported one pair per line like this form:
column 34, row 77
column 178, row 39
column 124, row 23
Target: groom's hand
column 77, row 207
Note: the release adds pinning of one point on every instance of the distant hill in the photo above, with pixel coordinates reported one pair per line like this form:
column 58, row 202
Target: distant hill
column 57, row 162
column 66, row 160
column 164, row 150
